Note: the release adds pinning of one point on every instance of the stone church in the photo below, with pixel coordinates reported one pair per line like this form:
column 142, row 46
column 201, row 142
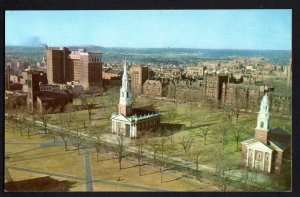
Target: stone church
column 133, row 122
column 270, row 147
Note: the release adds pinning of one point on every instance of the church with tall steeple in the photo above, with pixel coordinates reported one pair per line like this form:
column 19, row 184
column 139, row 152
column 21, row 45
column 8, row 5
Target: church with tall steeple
column 133, row 122
column 267, row 150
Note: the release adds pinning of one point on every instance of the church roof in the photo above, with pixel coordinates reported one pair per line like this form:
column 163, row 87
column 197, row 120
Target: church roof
column 139, row 111
column 250, row 141
column 279, row 145
column 120, row 117
column 279, row 136
column 260, row 146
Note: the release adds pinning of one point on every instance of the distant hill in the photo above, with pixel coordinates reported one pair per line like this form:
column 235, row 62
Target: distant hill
column 162, row 55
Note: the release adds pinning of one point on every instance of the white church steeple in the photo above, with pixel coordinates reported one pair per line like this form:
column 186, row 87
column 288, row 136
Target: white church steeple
column 262, row 130
column 263, row 118
column 125, row 94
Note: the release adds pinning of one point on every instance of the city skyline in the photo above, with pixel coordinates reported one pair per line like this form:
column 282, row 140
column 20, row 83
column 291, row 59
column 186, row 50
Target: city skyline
column 203, row 29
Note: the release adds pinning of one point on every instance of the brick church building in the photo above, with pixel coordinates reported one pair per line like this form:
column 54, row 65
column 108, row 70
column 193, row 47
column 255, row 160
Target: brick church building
column 270, row 147
column 133, row 122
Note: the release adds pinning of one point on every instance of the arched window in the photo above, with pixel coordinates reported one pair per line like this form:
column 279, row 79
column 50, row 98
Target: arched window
column 262, row 124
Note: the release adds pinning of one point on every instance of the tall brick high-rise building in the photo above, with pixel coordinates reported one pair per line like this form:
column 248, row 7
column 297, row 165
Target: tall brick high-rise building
column 81, row 66
column 34, row 78
column 139, row 74
column 58, row 70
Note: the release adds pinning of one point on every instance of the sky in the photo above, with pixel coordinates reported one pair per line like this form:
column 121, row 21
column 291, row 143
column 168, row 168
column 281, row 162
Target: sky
column 203, row 29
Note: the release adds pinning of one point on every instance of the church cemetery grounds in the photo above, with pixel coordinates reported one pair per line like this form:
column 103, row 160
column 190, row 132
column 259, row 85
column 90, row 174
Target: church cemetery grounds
column 42, row 154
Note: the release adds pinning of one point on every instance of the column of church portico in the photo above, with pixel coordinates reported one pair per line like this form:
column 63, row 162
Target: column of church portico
column 131, row 134
column 270, row 161
column 247, row 157
column 112, row 126
column 263, row 165
column 134, row 130
column 253, row 159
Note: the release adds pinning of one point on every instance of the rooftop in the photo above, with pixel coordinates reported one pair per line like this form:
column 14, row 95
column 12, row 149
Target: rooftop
column 140, row 111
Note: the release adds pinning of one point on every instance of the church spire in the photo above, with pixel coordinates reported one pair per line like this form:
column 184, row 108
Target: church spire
column 263, row 120
column 125, row 94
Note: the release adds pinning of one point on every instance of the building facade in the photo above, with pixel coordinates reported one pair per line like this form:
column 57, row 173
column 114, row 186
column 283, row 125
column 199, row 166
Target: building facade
column 132, row 122
column 34, row 78
column 154, row 88
column 139, row 75
column 196, row 71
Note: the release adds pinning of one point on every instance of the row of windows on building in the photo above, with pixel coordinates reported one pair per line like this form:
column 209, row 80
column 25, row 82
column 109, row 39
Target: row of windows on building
column 94, row 59
column 147, row 124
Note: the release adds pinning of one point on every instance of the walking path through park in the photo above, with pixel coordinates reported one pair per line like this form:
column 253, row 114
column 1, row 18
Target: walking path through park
column 88, row 173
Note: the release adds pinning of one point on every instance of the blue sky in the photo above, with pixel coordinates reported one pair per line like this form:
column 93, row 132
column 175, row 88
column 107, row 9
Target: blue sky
column 206, row 29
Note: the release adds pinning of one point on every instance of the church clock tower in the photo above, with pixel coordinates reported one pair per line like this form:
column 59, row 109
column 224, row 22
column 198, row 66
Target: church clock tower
column 262, row 130
column 125, row 102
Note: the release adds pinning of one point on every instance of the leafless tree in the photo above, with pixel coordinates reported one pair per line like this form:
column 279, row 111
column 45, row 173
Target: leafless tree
column 172, row 112
column 161, row 164
column 223, row 165
column 98, row 143
column 34, row 117
column 28, row 127
column 162, row 143
column 238, row 132
column 221, row 132
column 139, row 145
column 88, row 103
column 229, row 111
column 238, row 104
column 217, row 156
column 205, row 131
column 53, row 133
column 155, row 146
column 186, row 144
column 119, row 147
column 223, row 178
column 191, row 118
column 247, row 179
column 112, row 96
column 45, row 119
column 197, row 154
column 21, row 119
column 77, row 138
column 64, row 135
column 277, row 104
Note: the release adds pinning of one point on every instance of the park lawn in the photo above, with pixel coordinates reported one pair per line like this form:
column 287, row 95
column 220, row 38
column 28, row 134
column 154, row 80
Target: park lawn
column 18, row 175
column 15, row 148
column 53, row 159
column 176, row 150
column 14, row 142
column 15, row 136
column 97, row 186
column 108, row 169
